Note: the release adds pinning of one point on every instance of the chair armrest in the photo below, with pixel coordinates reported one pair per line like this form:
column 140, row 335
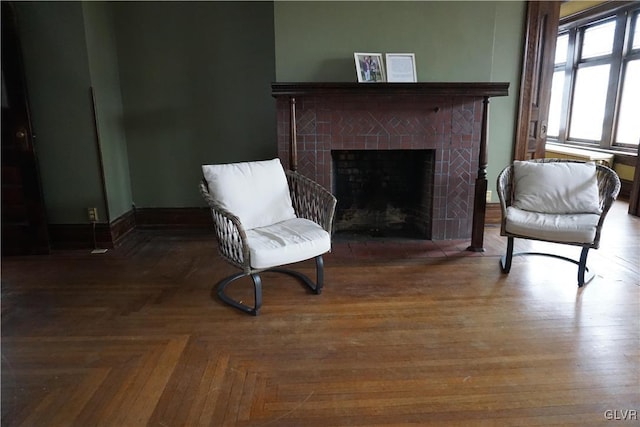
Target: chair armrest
column 504, row 188
column 232, row 239
column 608, row 190
column 311, row 201
column 608, row 186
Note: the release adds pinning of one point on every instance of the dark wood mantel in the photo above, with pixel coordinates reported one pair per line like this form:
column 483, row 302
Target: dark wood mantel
column 475, row 92
column 431, row 89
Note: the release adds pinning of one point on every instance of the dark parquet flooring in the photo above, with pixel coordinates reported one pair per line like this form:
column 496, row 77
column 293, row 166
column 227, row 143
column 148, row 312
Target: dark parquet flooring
column 406, row 333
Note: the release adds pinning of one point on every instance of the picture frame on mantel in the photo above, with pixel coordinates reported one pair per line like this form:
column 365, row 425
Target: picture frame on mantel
column 369, row 67
column 401, row 68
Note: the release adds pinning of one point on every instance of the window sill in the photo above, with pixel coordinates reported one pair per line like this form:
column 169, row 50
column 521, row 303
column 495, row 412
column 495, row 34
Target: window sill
column 565, row 151
column 559, row 147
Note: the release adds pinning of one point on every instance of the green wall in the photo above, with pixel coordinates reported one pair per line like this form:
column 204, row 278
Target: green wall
column 315, row 41
column 103, row 66
column 59, row 81
column 452, row 41
column 179, row 84
column 508, row 42
column 176, row 84
column 196, row 89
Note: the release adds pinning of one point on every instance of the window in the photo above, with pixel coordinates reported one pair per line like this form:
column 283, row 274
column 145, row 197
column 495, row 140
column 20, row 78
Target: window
column 595, row 93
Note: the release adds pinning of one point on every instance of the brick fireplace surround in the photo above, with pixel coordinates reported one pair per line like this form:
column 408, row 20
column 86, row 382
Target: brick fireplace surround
column 450, row 118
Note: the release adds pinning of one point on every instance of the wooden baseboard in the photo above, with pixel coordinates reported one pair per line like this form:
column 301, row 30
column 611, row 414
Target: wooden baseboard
column 493, row 214
column 176, row 218
column 107, row 236
column 110, row 235
column 89, row 236
column 80, row 236
column 122, row 226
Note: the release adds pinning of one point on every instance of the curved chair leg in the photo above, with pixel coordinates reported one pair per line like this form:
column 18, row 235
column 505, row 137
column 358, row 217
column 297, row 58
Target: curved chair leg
column 257, row 292
column 582, row 267
column 315, row 287
column 257, row 286
column 319, row 274
column 505, row 261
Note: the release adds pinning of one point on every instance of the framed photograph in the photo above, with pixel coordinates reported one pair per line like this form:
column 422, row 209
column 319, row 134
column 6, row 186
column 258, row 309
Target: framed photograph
column 369, row 67
column 401, row 67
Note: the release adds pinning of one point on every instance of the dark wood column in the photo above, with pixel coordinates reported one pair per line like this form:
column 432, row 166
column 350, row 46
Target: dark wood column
column 480, row 201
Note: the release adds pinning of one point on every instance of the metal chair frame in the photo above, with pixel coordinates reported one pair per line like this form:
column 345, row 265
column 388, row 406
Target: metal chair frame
column 608, row 189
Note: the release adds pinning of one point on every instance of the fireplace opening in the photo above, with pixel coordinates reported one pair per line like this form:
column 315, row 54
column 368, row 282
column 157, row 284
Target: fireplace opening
column 383, row 193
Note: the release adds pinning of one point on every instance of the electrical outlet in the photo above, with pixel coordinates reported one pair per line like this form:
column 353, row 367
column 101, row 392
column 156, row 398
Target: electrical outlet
column 93, row 214
column 488, row 196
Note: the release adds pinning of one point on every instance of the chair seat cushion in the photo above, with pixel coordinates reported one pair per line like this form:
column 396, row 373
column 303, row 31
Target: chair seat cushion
column 286, row 242
column 568, row 228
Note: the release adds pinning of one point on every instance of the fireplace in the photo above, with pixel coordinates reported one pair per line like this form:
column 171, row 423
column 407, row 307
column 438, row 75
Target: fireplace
column 317, row 121
column 383, row 193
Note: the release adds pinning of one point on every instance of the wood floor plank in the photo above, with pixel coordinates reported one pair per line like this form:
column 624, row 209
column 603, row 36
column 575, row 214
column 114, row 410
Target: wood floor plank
column 145, row 400
column 75, row 400
column 212, row 392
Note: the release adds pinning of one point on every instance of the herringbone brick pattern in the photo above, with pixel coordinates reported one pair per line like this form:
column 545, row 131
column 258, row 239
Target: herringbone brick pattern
column 449, row 128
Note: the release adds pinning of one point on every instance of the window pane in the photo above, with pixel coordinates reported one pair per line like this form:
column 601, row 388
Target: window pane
column 628, row 118
column 589, row 97
column 598, row 40
column 555, row 105
column 562, row 44
column 636, row 33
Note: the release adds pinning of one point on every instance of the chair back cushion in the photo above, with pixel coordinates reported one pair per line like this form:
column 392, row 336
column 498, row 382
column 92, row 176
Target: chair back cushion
column 556, row 187
column 256, row 192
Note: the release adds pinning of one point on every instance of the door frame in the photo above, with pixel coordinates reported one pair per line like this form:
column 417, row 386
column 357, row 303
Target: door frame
column 543, row 19
column 27, row 225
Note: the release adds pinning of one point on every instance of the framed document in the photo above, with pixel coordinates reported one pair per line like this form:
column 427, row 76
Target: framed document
column 369, row 67
column 401, row 67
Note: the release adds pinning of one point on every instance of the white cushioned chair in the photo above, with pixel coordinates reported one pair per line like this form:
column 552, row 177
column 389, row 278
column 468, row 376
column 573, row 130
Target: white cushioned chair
column 555, row 200
column 265, row 218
